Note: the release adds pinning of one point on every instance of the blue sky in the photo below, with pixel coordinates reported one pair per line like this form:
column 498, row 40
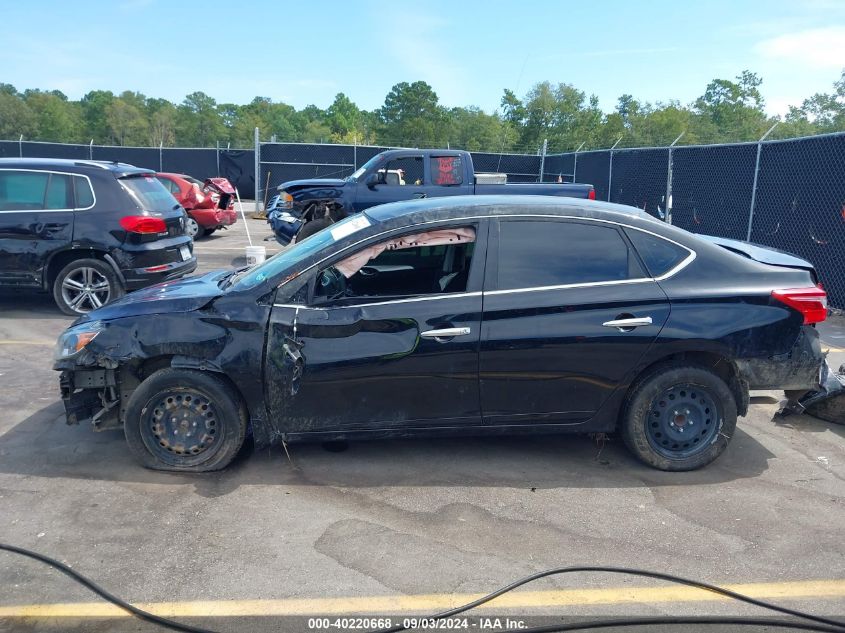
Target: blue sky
column 306, row 52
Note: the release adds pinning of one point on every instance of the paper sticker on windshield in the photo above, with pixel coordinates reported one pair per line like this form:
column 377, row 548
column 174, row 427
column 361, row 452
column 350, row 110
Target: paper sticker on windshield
column 349, row 227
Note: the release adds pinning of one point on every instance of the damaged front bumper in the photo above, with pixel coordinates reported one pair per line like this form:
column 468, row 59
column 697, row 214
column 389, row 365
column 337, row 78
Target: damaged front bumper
column 91, row 395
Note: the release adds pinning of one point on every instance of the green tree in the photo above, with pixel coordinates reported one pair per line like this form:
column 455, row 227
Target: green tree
column 732, row 110
column 411, row 115
column 162, row 117
column 94, row 105
column 198, row 122
column 16, row 117
column 56, row 119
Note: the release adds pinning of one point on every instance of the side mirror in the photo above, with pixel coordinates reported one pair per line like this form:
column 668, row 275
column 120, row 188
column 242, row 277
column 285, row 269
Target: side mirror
column 372, row 180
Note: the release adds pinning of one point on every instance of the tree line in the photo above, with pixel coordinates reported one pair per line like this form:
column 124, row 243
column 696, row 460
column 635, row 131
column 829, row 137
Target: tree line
column 411, row 115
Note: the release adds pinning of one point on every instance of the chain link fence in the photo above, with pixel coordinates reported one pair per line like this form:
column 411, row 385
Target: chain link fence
column 785, row 194
column 234, row 164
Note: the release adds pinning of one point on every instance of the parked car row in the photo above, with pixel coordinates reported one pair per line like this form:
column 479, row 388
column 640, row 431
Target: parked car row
column 90, row 231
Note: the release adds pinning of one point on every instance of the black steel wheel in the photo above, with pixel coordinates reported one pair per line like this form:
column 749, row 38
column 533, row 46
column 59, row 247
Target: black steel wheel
column 185, row 420
column 682, row 419
column 679, row 417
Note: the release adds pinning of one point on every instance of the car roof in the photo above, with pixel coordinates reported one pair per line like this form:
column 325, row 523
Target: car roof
column 428, row 209
column 67, row 164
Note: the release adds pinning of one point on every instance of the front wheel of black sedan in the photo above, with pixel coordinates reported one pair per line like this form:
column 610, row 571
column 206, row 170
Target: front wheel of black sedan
column 679, row 417
column 185, row 420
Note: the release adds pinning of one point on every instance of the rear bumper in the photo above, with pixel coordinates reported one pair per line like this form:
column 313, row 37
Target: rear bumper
column 799, row 369
column 214, row 218
column 142, row 277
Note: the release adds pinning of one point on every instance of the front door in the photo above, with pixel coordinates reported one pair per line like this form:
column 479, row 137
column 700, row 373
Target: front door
column 390, row 342
column 401, row 178
column 568, row 312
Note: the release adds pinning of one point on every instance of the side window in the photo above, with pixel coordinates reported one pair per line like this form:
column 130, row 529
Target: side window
column 403, row 171
column 447, row 170
column 659, row 255
column 22, row 190
column 84, row 195
column 59, row 192
column 432, row 262
column 555, row 253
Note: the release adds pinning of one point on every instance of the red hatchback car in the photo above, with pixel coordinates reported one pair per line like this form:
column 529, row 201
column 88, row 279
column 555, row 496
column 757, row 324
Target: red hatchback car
column 210, row 205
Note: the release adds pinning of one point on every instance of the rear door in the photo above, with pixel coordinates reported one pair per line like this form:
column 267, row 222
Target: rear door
column 568, row 312
column 393, row 353
column 36, row 220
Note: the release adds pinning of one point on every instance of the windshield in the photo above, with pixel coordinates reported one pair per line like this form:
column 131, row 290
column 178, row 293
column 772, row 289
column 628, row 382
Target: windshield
column 375, row 160
column 300, row 251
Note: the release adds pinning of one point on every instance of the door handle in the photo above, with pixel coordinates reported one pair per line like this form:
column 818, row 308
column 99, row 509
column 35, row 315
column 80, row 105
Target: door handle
column 626, row 325
column 448, row 332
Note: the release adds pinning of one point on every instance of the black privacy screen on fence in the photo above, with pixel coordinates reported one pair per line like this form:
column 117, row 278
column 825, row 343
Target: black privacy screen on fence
column 800, row 205
column 201, row 163
column 593, row 168
column 639, row 179
column 711, row 189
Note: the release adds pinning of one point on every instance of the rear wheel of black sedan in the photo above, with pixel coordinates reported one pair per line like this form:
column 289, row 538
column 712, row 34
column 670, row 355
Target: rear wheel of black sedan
column 185, row 420
column 679, row 417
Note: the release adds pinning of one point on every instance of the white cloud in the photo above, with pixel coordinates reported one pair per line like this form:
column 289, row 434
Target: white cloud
column 820, row 47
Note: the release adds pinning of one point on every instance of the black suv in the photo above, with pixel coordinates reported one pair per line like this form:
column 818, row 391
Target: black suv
column 88, row 231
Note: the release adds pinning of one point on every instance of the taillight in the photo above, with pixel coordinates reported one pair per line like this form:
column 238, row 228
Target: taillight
column 592, row 194
column 811, row 302
column 143, row 224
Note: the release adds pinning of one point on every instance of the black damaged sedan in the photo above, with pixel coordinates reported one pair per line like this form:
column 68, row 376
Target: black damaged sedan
column 454, row 316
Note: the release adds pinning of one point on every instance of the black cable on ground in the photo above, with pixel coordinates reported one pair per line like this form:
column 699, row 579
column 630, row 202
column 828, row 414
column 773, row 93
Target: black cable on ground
column 840, row 626
column 830, row 626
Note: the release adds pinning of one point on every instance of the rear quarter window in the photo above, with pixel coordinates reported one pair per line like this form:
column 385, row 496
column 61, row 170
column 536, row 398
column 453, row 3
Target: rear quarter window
column 446, row 170
column 84, row 194
column 149, row 193
column 659, row 255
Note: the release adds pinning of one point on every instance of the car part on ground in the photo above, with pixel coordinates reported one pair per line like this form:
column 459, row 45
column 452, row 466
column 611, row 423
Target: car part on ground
column 558, row 316
column 826, row 403
column 87, row 231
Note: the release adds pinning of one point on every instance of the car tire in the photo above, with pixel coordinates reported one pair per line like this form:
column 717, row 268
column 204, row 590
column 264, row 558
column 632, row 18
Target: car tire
column 679, row 417
column 83, row 284
column 314, row 226
column 207, row 232
column 192, row 228
column 185, row 420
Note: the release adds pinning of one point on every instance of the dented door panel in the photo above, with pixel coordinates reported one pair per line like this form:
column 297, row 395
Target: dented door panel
column 368, row 367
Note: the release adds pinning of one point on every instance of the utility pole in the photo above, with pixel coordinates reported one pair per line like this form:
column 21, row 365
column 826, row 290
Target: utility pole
column 754, row 186
column 668, row 203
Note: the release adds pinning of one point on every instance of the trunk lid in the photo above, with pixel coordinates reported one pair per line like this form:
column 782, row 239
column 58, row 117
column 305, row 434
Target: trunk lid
column 762, row 254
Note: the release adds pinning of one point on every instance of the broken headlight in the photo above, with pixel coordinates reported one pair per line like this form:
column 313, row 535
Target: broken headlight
column 74, row 339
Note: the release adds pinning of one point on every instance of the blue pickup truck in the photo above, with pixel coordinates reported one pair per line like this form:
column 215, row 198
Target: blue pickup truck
column 303, row 207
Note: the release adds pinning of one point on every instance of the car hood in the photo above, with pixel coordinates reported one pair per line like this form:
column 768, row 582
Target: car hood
column 311, row 182
column 183, row 295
